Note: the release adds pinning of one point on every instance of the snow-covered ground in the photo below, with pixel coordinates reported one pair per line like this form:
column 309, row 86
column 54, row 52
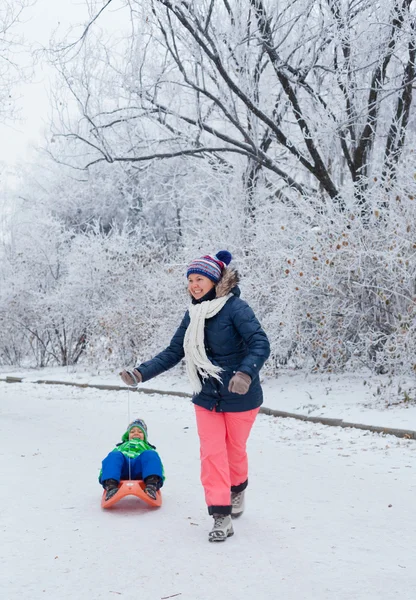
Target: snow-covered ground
column 353, row 397
column 330, row 511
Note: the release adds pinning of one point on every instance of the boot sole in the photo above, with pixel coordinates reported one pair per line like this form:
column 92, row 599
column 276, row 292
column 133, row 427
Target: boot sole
column 236, row 515
column 221, row 539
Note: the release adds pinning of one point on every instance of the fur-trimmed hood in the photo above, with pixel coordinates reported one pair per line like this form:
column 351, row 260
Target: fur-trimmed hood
column 229, row 280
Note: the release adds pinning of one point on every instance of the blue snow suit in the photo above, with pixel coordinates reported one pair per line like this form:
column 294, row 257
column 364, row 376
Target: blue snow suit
column 118, row 466
column 235, row 341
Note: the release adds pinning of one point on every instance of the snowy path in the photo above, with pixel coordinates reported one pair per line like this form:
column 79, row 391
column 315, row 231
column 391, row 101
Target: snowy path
column 330, row 515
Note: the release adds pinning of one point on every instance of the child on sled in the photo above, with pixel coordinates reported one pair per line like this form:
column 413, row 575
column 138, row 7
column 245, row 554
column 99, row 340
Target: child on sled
column 132, row 458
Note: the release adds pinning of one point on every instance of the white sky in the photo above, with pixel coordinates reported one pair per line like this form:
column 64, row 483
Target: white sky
column 41, row 21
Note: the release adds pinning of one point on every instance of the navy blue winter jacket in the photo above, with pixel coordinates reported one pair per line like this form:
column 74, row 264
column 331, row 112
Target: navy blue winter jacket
column 235, row 341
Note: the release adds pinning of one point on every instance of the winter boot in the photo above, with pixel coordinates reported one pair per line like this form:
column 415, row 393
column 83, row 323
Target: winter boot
column 222, row 529
column 152, row 485
column 238, row 504
column 111, row 487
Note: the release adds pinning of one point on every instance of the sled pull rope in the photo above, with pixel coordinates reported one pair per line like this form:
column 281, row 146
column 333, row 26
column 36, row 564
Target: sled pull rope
column 129, row 421
column 135, row 384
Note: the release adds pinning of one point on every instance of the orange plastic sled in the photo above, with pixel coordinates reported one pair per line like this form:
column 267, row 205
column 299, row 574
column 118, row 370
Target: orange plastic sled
column 131, row 488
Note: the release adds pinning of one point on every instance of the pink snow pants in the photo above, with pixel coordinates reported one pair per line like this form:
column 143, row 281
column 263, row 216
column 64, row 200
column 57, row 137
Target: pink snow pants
column 223, row 438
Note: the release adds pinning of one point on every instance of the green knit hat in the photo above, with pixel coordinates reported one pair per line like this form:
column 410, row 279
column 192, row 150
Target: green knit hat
column 136, row 423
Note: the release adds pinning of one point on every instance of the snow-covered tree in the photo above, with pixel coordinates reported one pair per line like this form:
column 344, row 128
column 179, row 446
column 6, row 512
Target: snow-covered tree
column 315, row 95
column 283, row 132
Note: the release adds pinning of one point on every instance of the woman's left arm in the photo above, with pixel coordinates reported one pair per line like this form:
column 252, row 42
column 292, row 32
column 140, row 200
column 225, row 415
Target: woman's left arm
column 248, row 326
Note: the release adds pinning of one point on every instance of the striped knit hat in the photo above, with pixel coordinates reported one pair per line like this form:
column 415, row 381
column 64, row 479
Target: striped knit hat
column 210, row 266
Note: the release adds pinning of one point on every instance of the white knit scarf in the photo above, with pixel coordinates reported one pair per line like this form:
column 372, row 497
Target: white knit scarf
column 193, row 343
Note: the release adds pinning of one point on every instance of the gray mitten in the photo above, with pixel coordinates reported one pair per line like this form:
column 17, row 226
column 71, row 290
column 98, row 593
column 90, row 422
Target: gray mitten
column 240, row 383
column 131, row 378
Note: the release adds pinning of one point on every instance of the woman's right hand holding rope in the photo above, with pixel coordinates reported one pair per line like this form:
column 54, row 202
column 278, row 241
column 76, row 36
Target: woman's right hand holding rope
column 131, row 378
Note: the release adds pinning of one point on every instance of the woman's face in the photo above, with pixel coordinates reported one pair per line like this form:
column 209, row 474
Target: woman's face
column 199, row 285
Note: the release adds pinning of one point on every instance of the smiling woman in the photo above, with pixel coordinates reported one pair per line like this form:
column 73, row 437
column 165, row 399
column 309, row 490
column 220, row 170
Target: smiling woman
column 224, row 348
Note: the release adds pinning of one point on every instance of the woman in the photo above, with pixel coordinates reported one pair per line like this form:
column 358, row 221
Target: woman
column 224, row 347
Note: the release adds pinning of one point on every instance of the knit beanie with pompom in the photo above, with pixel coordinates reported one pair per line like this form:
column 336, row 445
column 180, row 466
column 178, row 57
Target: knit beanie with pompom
column 210, row 266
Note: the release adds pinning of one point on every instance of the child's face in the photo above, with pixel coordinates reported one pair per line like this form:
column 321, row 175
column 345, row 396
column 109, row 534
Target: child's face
column 136, row 433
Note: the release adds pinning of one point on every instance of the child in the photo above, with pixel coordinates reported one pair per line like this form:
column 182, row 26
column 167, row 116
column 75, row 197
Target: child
column 133, row 458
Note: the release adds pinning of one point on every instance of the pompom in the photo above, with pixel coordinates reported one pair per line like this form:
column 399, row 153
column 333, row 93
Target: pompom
column 224, row 256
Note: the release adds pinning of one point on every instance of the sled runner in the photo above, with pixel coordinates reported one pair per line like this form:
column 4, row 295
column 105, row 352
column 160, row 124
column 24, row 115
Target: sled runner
column 131, row 488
